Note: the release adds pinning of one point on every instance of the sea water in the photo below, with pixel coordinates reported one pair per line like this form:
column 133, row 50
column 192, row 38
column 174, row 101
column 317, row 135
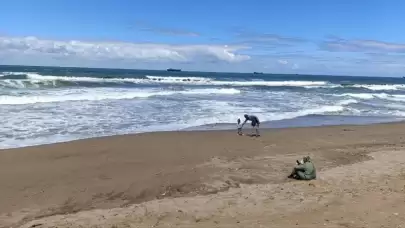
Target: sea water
column 40, row 105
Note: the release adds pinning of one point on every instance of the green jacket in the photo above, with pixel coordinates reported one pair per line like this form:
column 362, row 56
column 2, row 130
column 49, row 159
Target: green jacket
column 309, row 170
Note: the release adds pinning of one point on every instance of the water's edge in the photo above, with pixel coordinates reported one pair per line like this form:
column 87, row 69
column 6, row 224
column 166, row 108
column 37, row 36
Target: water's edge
column 304, row 121
column 299, row 122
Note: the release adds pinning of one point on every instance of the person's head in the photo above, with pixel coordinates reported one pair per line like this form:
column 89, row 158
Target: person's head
column 246, row 116
column 238, row 120
column 306, row 159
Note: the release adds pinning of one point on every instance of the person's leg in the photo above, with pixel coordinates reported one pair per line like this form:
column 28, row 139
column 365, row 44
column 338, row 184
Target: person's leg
column 253, row 127
column 257, row 130
column 293, row 173
column 301, row 175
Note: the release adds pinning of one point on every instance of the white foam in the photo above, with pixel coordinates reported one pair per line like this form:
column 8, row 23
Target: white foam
column 212, row 91
column 177, row 79
column 395, row 106
column 327, row 109
column 173, row 80
column 268, row 116
column 103, row 94
column 326, row 86
column 400, row 98
column 374, row 87
column 12, row 73
column 149, row 80
column 208, row 81
column 270, row 83
column 12, row 83
column 34, row 76
column 365, row 96
column 347, row 102
column 369, row 96
column 190, row 80
column 381, row 87
column 233, row 113
column 55, row 122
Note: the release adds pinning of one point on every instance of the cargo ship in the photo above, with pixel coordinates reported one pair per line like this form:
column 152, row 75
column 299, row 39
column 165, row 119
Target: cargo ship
column 176, row 70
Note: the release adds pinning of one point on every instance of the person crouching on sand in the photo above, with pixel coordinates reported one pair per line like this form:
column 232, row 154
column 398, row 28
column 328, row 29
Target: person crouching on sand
column 255, row 123
column 305, row 170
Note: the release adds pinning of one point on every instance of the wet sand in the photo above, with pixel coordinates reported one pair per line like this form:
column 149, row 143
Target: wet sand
column 209, row 179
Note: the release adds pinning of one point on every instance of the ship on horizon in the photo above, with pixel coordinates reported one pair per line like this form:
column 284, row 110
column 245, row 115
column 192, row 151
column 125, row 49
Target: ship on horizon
column 176, row 70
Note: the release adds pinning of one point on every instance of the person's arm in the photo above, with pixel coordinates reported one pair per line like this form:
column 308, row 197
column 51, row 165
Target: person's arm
column 243, row 123
column 300, row 167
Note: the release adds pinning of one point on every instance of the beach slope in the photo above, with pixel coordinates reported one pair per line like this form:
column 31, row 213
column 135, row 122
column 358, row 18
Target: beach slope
column 208, row 179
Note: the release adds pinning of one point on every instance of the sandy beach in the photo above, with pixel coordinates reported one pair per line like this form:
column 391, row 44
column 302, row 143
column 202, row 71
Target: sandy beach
column 209, row 179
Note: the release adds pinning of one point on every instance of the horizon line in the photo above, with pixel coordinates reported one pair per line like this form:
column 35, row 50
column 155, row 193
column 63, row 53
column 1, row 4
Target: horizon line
column 195, row 71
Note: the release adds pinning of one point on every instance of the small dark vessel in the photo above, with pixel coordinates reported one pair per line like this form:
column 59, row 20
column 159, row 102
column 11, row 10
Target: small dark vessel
column 257, row 72
column 175, row 70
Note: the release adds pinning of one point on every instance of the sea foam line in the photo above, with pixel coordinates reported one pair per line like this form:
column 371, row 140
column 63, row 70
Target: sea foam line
column 95, row 95
column 37, row 80
column 381, row 87
column 209, row 81
column 170, row 80
column 369, row 96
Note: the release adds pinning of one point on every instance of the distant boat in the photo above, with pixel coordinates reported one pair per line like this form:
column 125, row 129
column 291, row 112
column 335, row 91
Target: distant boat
column 257, row 72
column 171, row 69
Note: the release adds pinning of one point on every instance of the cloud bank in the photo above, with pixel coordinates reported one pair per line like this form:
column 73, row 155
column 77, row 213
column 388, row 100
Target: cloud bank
column 146, row 52
column 345, row 45
column 332, row 55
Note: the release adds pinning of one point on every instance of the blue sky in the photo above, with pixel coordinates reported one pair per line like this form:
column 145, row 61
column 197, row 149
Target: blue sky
column 362, row 37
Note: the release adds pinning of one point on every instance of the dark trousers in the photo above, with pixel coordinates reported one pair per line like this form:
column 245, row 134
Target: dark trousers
column 255, row 125
column 299, row 175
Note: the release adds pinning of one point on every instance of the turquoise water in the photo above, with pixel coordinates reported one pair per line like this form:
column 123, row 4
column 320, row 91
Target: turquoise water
column 49, row 104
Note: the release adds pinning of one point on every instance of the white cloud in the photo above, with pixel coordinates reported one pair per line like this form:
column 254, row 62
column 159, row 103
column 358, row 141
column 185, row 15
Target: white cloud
column 202, row 57
column 144, row 52
column 346, row 45
column 283, row 62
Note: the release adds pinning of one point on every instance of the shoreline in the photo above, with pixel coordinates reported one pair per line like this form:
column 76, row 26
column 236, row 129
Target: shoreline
column 47, row 181
column 305, row 121
column 298, row 122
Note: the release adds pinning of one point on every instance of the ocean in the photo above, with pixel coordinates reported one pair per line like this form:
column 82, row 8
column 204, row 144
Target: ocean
column 41, row 105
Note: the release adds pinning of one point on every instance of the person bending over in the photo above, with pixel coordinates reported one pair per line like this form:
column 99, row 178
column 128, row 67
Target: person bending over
column 305, row 170
column 255, row 123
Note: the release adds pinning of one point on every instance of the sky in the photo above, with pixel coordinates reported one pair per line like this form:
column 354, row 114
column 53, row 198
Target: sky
column 342, row 37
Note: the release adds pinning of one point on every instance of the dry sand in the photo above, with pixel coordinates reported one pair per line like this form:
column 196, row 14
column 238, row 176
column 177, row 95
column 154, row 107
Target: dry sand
column 209, row 179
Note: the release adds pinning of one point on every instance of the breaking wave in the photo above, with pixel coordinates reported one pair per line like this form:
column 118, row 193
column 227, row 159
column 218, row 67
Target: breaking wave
column 34, row 80
column 62, row 104
column 209, row 81
column 321, row 110
column 381, row 87
column 27, row 80
column 369, row 96
column 95, row 95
